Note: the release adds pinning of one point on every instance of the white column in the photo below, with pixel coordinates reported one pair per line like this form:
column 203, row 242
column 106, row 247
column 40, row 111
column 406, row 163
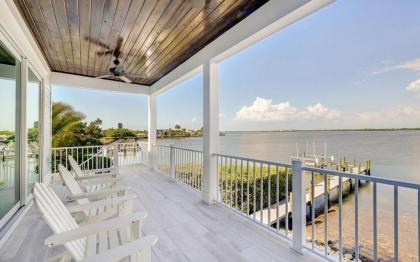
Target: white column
column 298, row 206
column 45, row 131
column 211, row 131
column 152, row 164
column 23, row 134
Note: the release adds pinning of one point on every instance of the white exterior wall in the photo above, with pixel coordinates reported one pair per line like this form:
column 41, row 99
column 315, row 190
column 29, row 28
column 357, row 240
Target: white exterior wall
column 15, row 35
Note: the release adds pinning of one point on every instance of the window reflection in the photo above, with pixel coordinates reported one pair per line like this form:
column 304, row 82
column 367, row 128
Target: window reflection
column 32, row 124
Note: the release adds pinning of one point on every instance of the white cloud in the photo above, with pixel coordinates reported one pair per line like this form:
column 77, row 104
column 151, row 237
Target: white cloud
column 414, row 86
column 413, row 65
column 194, row 119
column 391, row 114
column 264, row 110
column 318, row 111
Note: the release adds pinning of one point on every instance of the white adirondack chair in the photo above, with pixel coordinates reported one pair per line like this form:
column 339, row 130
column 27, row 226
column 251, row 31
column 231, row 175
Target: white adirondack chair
column 93, row 242
column 101, row 173
column 115, row 200
column 98, row 187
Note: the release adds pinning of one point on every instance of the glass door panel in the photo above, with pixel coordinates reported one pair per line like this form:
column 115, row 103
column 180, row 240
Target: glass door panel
column 9, row 153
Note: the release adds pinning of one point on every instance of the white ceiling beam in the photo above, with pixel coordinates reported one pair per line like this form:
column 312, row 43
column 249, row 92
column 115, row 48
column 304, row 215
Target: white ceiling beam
column 69, row 80
column 267, row 20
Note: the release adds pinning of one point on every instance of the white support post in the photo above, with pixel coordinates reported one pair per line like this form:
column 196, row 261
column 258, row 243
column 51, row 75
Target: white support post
column 151, row 148
column 116, row 154
column 298, row 206
column 23, row 133
column 211, row 131
column 172, row 167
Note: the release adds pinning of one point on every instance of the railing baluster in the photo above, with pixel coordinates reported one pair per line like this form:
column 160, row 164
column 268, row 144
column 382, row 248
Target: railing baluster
column 277, row 198
column 226, row 181
column 418, row 224
column 236, row 184
column 230, row 189
column 242, row 188
column 255, row 190
column 286, row 190
column 313, row 209
column 326, row 189
column 375, row 224
column 340, row 217
column 396, row 223
column 269, row 196
column 356, row 218
column 247, row 187
column 261, row 193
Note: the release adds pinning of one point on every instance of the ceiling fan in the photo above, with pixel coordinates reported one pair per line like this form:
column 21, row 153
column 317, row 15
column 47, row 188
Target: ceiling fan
column 117, row 71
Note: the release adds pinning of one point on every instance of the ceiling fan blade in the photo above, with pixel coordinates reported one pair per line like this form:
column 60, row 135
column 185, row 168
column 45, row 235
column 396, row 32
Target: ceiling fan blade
column 117, row 49
column 126, row 79
column 197, row 3
column 104, row 76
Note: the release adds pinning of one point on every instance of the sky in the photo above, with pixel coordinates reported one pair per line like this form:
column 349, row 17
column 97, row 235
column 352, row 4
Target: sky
column 353, row 64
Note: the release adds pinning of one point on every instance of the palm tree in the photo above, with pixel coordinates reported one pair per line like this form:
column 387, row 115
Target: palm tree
column 66, row 125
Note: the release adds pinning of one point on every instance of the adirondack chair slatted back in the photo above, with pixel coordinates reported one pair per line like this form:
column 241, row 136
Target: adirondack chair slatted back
column 71, row 183
column 58, row 218
column 76, row 168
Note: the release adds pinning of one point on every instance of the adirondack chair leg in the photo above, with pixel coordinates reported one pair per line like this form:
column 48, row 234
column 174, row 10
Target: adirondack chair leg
column 143, row 256
column 63, row 257
column 126, row 208
column 136, row 228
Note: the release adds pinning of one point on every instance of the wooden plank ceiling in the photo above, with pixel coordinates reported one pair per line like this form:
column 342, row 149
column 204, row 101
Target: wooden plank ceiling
column 148, row 37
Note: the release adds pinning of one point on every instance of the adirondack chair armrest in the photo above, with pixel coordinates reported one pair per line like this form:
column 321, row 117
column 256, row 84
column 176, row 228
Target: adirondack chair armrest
column 98, row 181
column 98, row 194
column 106, row 170
column 96, row 176
column 96, row 228
column 99, row 203
column 143, row 244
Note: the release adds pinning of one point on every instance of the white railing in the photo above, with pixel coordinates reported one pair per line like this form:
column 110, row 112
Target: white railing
column 286, row 199
column 184, row 165
column 257, row 189
column 88, row 157
column 99, row 157
column 354, row 180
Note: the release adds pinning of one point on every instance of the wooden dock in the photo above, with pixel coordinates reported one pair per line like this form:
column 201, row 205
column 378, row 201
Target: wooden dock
column 319, row 190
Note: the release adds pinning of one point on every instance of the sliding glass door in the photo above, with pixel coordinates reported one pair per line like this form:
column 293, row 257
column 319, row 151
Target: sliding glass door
column 9, row 132
column 32, row 126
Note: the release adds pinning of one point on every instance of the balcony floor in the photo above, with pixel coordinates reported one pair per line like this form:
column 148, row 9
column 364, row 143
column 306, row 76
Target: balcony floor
column 188, row 229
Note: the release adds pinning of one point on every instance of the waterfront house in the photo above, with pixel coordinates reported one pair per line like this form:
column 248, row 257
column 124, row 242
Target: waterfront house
column 196, row 210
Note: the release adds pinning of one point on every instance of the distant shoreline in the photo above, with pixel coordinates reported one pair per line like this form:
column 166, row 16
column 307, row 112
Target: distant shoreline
column 324, row 130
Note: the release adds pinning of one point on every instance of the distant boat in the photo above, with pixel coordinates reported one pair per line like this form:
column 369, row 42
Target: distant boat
column 222, row 133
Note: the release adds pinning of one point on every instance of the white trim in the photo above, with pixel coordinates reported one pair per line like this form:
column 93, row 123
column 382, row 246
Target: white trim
column 267, row 20
column 9, row 214
column 23, row 134
column 179, row 80
column 15, row 224
column 70, row 80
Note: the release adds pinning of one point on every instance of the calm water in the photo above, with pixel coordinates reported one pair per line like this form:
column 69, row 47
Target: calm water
column 394, row 154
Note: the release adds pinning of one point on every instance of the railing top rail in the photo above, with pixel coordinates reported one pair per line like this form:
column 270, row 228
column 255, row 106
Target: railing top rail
column 255, row 160
column 181, row 148
column 75, row 147
column 375, row 179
